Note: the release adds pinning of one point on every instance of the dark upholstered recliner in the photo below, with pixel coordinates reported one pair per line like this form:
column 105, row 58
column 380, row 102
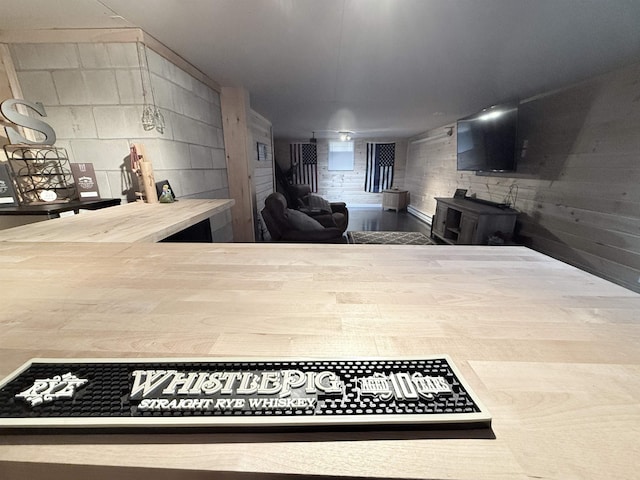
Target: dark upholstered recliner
column 303, row 199
column 289, row 225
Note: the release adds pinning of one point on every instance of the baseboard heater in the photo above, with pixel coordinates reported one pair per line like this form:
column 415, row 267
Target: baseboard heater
column 421, row 215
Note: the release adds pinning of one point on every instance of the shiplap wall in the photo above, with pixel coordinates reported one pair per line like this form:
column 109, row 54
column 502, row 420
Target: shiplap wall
column 347, row 185
column 263, row 181
column 577, row 181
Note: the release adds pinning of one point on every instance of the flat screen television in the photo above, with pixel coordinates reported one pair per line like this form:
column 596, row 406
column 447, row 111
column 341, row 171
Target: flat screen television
column 487, row 140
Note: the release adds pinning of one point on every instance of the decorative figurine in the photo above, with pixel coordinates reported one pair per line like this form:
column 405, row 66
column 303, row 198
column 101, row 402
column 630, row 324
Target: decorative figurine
column 166, row 196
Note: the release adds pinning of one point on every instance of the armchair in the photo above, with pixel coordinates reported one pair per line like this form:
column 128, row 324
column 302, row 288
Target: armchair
column 289, row 225
column 317, row 207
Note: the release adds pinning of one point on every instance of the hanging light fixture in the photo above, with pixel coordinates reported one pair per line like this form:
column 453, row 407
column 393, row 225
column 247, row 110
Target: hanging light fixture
column 343, row 135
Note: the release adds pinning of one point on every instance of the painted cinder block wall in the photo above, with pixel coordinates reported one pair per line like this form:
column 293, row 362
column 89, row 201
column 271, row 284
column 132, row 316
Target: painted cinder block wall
column 93, row 96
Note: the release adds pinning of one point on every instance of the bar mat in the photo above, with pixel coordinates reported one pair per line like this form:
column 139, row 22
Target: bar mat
column 122, row 393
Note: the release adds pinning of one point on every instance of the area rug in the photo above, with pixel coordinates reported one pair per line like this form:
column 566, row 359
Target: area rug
column 389, row 238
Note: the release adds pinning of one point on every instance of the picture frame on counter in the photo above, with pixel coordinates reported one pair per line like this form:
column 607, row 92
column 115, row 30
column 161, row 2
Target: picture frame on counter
column 84, row 177
column 8, row 197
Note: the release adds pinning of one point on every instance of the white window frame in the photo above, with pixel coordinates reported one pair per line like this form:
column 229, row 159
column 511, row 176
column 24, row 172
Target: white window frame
column 341, row 155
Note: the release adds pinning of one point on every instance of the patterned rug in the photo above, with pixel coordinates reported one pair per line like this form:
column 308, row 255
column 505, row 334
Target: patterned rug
column 389, row 238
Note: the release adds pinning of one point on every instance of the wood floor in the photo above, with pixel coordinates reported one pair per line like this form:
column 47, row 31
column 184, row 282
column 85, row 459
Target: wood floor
column 378, row 220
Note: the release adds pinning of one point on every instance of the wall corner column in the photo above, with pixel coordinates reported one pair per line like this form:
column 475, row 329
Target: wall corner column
column 234, row 102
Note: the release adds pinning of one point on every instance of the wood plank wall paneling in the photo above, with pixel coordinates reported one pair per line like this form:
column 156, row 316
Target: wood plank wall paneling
column 577, row 183
column 263, row 173
column 347, row 186
column 5, row 89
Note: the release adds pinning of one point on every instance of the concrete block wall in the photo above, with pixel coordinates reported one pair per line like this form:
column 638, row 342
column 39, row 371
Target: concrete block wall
column 94, row 100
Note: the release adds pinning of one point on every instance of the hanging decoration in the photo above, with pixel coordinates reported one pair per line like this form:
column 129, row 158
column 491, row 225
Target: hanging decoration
column 152, row 117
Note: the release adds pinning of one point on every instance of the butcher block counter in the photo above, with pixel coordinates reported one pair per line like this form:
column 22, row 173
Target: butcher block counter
column 131, row 222
column 551, row 351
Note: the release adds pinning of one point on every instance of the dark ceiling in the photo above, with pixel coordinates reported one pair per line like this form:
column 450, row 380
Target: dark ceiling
column 380, row 68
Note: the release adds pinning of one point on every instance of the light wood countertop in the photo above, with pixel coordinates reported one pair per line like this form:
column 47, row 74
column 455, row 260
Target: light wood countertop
column 131, row 222
column 550, row 350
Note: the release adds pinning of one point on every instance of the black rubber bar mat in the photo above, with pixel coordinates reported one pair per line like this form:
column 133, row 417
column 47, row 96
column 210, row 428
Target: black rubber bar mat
column 238, row 393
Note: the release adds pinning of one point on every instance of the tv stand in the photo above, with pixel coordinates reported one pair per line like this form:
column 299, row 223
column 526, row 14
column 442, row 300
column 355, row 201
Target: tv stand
column 462, row 221
column 487, row 202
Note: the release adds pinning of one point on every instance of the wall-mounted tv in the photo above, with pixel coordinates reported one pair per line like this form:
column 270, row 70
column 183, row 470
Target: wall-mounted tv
column 487, row 140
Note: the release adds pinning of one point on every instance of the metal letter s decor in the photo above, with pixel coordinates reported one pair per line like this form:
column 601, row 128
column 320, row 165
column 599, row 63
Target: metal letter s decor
column 7, row 109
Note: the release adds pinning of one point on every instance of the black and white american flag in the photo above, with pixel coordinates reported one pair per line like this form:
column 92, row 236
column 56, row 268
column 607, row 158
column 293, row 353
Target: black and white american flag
column 380, row 161
column 304, row 162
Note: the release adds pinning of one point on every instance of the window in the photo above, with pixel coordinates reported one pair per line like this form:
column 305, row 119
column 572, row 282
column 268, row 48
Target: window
column 341, row 156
